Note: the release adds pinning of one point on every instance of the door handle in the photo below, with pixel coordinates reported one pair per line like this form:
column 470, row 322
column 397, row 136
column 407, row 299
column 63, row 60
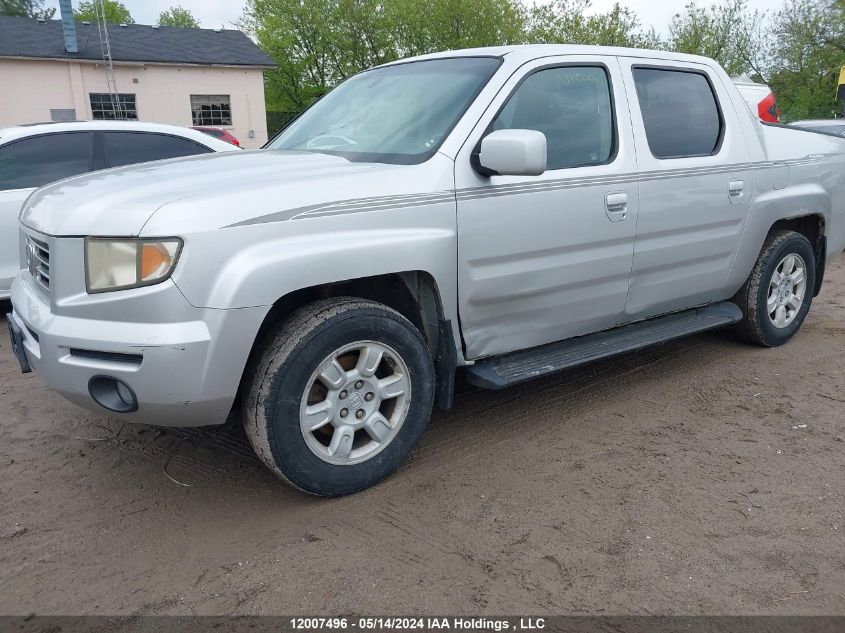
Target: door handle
column 735, row 189
column 616, row 206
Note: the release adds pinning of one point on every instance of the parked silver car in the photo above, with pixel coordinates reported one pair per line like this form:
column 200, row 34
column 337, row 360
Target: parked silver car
column 506, row 212
column 831, row 126
column 34, row 155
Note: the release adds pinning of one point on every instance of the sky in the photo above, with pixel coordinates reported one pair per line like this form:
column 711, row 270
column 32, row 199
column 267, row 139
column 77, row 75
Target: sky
column 212, row 14
column 217, row 13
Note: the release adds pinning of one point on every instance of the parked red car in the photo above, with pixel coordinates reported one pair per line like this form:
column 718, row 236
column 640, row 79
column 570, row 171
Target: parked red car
column 217, row 132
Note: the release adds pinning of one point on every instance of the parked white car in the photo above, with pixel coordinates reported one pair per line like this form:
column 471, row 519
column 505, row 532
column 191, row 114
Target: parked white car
column 34, row 155
column 760, row 99
column 505, row 212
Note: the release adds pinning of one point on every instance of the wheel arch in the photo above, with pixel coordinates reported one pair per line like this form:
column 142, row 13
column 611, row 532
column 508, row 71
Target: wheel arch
column 812, row 226
column 414, row 294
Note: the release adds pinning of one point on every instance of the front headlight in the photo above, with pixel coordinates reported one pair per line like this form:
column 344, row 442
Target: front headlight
column 118, row 264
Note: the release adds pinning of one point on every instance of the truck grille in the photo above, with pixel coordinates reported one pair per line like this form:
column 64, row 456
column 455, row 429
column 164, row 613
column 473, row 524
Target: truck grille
column 38, row 261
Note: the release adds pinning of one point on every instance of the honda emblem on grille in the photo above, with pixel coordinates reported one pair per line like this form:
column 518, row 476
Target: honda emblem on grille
column 31, row 261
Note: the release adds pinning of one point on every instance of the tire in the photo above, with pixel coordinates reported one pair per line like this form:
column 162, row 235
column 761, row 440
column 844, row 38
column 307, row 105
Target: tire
column 286, row 386
column 758, row 326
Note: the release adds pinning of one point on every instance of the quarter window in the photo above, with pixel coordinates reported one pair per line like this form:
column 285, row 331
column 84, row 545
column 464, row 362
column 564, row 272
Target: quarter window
column 680, row 112
column 211, row 110
column 36, row 161
column 127, row 148
column 572, row 106
column 109, row 107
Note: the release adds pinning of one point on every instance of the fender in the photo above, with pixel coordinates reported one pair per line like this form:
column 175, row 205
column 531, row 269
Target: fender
column 801, row 200
column 264, row 262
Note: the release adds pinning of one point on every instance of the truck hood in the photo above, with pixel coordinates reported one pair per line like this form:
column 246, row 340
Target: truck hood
column 119, row 202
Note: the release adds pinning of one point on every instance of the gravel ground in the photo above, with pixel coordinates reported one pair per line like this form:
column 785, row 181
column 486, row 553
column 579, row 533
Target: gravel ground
column 699, row 477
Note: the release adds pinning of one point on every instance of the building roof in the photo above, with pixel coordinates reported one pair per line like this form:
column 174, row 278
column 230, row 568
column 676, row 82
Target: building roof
column 27, row 37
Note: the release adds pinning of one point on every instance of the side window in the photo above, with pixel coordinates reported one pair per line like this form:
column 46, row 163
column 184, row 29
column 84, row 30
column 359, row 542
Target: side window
column 680, row 112
column 39, row 160
column 128, row 148
column 572, row 106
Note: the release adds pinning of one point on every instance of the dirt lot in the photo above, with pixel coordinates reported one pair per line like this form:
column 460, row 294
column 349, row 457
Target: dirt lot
column 699, row 477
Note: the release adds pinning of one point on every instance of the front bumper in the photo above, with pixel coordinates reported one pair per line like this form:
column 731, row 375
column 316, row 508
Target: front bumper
column 184, row 367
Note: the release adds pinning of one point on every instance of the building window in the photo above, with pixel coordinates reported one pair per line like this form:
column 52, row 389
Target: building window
column 109, row 107
column 211, row 110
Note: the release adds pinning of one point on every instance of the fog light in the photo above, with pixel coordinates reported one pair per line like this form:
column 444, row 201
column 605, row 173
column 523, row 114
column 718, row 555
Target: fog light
column 112, row 394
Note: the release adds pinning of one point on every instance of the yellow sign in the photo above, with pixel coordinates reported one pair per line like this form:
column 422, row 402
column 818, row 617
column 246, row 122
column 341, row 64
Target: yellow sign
column 840, row 88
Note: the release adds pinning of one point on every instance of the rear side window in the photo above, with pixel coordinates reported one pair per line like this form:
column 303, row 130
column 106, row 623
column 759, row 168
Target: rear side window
column 128, row 148
column 39, row 160
column 680, row 112
column 571, row 106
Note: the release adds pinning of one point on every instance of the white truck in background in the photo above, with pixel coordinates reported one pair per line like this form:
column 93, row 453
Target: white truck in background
column 760, row 99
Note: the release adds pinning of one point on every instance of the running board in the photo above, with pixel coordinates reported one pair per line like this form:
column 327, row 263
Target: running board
column 499, row 372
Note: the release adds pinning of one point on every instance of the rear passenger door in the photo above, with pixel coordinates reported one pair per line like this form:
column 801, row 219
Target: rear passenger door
column 695, row 180
column 128, row 148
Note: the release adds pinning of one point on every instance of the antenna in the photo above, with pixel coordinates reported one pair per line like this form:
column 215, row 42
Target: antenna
column 105, row 49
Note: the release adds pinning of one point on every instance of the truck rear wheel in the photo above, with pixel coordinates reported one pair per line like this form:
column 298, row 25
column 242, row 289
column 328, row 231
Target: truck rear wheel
column 340, row 396
column 777, row 296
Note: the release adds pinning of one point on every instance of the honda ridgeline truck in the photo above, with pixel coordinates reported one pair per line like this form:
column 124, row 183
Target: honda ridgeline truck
column 505, row 212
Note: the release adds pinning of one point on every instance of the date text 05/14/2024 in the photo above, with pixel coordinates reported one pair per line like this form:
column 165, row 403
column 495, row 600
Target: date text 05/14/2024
column 417, row 623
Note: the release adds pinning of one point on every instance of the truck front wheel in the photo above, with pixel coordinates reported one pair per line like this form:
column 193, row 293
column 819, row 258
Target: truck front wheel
column 340, row 395
column 777, row 296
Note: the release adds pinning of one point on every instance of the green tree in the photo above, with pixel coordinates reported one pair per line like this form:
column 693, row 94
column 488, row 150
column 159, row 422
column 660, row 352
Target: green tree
column 807, row 49
column 319, row 43
column 316, row 44
column 452, row 24
column 116, row 12
column 26, row 8
column 296, row 35
column 178, row 16
column 572, row 22
column 723, row 31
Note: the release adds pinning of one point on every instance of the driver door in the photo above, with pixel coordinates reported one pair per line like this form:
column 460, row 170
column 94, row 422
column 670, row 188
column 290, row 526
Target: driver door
column 543, row 258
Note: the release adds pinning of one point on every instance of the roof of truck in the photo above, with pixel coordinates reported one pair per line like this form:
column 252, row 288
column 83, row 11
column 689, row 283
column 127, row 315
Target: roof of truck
column 533, row 51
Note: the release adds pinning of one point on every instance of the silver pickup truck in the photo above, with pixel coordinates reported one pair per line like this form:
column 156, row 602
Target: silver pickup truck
column 504, row 212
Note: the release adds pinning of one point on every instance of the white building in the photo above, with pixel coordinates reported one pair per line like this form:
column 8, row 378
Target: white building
column 188, row 77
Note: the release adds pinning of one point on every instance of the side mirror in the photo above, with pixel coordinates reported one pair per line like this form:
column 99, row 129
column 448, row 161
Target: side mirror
column 512, row 153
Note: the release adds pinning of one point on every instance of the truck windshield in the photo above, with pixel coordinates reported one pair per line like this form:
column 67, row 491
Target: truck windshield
column 395, row 114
